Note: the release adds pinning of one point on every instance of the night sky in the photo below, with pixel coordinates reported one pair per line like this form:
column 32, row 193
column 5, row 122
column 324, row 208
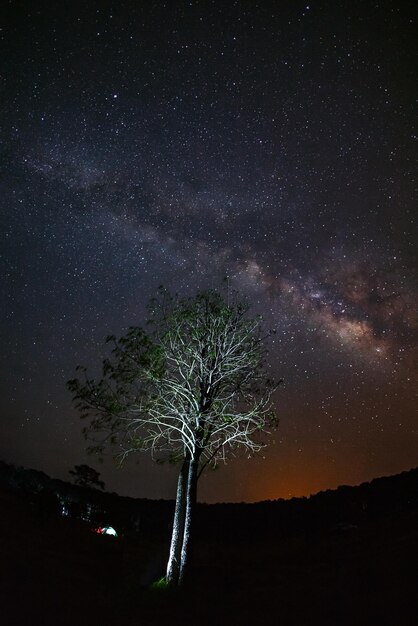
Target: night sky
column 176, row 143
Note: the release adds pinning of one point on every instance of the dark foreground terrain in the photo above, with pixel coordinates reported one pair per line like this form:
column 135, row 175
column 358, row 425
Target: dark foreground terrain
column 56, row 570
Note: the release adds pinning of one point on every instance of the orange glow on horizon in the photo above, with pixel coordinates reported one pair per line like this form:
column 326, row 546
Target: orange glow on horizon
column 296, row 483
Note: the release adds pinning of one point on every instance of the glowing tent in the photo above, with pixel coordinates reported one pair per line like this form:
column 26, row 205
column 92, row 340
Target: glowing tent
column 106, row 530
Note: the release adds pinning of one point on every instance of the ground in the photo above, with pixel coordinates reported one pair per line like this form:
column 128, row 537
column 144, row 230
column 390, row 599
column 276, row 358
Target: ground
column 57, row 571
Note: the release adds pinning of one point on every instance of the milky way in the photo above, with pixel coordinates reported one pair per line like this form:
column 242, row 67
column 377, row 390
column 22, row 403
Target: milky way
column 180, row 143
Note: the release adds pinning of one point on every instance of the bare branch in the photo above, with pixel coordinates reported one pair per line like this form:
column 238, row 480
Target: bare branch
column 196, row 386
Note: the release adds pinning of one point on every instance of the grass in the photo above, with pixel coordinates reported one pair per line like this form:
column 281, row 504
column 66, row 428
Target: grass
column 160, row 584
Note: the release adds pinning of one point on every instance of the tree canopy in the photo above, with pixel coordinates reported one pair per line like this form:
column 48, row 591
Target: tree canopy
column 86, row 476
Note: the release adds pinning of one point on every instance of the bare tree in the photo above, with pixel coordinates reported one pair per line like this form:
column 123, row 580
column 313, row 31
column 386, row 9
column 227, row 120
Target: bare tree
column 194, row 387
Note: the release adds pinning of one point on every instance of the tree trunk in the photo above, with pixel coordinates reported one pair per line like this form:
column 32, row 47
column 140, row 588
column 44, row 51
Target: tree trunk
column 191, row 498
column 174, row 559
column 183, row 515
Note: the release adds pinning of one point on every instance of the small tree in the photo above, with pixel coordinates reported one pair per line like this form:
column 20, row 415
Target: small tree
column 193, row 388
column 86, row 476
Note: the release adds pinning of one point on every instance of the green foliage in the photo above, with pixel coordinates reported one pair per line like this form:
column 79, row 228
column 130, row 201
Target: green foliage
column 135, row 363
column 160, row 584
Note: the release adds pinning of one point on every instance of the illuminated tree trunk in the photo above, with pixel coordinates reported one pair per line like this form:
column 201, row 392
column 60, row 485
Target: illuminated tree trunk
column 174, row 559
column 183, row 516
column 191, row 498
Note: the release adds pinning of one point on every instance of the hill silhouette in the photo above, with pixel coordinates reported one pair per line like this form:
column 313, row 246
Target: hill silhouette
column 342, row 557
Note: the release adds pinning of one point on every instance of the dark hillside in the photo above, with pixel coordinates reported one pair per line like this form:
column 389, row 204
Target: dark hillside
column 347, row 557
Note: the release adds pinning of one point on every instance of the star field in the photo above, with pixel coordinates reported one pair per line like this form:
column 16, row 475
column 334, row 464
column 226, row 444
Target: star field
column 177, row 143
